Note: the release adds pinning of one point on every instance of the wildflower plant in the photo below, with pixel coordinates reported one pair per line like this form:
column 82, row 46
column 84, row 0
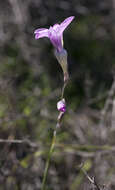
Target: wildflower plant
column 55, row 34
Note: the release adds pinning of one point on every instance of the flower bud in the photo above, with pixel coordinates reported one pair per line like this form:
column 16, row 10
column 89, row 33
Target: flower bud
column 61, row 105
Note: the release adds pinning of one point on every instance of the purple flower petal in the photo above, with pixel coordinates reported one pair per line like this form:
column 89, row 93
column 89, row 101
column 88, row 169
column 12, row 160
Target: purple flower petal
column 65, row 23
column 55, row 38
column 41, row 32
column 56, row 27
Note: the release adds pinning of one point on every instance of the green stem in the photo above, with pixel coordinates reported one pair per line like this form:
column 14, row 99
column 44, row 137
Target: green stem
column 48, row 160
column 53, row 143
column 62, row 94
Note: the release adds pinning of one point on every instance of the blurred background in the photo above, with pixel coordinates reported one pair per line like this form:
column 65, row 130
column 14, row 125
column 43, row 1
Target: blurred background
column 30, row 85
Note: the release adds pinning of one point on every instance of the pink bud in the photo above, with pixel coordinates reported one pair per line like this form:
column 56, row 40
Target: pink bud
column 61, row 105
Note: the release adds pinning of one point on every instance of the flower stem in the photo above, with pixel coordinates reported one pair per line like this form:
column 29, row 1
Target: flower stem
column 63, row 88
column 48, row 159
column 53, row 142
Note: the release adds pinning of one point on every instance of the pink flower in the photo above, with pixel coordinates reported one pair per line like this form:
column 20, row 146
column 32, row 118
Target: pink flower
column 54, row 33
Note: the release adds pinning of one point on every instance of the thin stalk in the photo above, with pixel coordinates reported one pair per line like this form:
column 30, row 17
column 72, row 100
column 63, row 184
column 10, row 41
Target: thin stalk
column 53, row 143
column 48, row 160
column 63, row 88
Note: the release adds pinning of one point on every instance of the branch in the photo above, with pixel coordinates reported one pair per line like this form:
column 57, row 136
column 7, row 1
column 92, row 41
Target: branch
column 92, row 180
column 24, row 141
column 103, row 131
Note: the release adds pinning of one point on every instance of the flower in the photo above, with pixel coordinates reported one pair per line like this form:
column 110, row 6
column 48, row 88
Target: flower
column 54, row 33
column 61, row 105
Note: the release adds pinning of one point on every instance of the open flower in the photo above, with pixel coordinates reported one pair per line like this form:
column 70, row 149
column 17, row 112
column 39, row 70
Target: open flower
column 54, row 33
column 61, row 105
